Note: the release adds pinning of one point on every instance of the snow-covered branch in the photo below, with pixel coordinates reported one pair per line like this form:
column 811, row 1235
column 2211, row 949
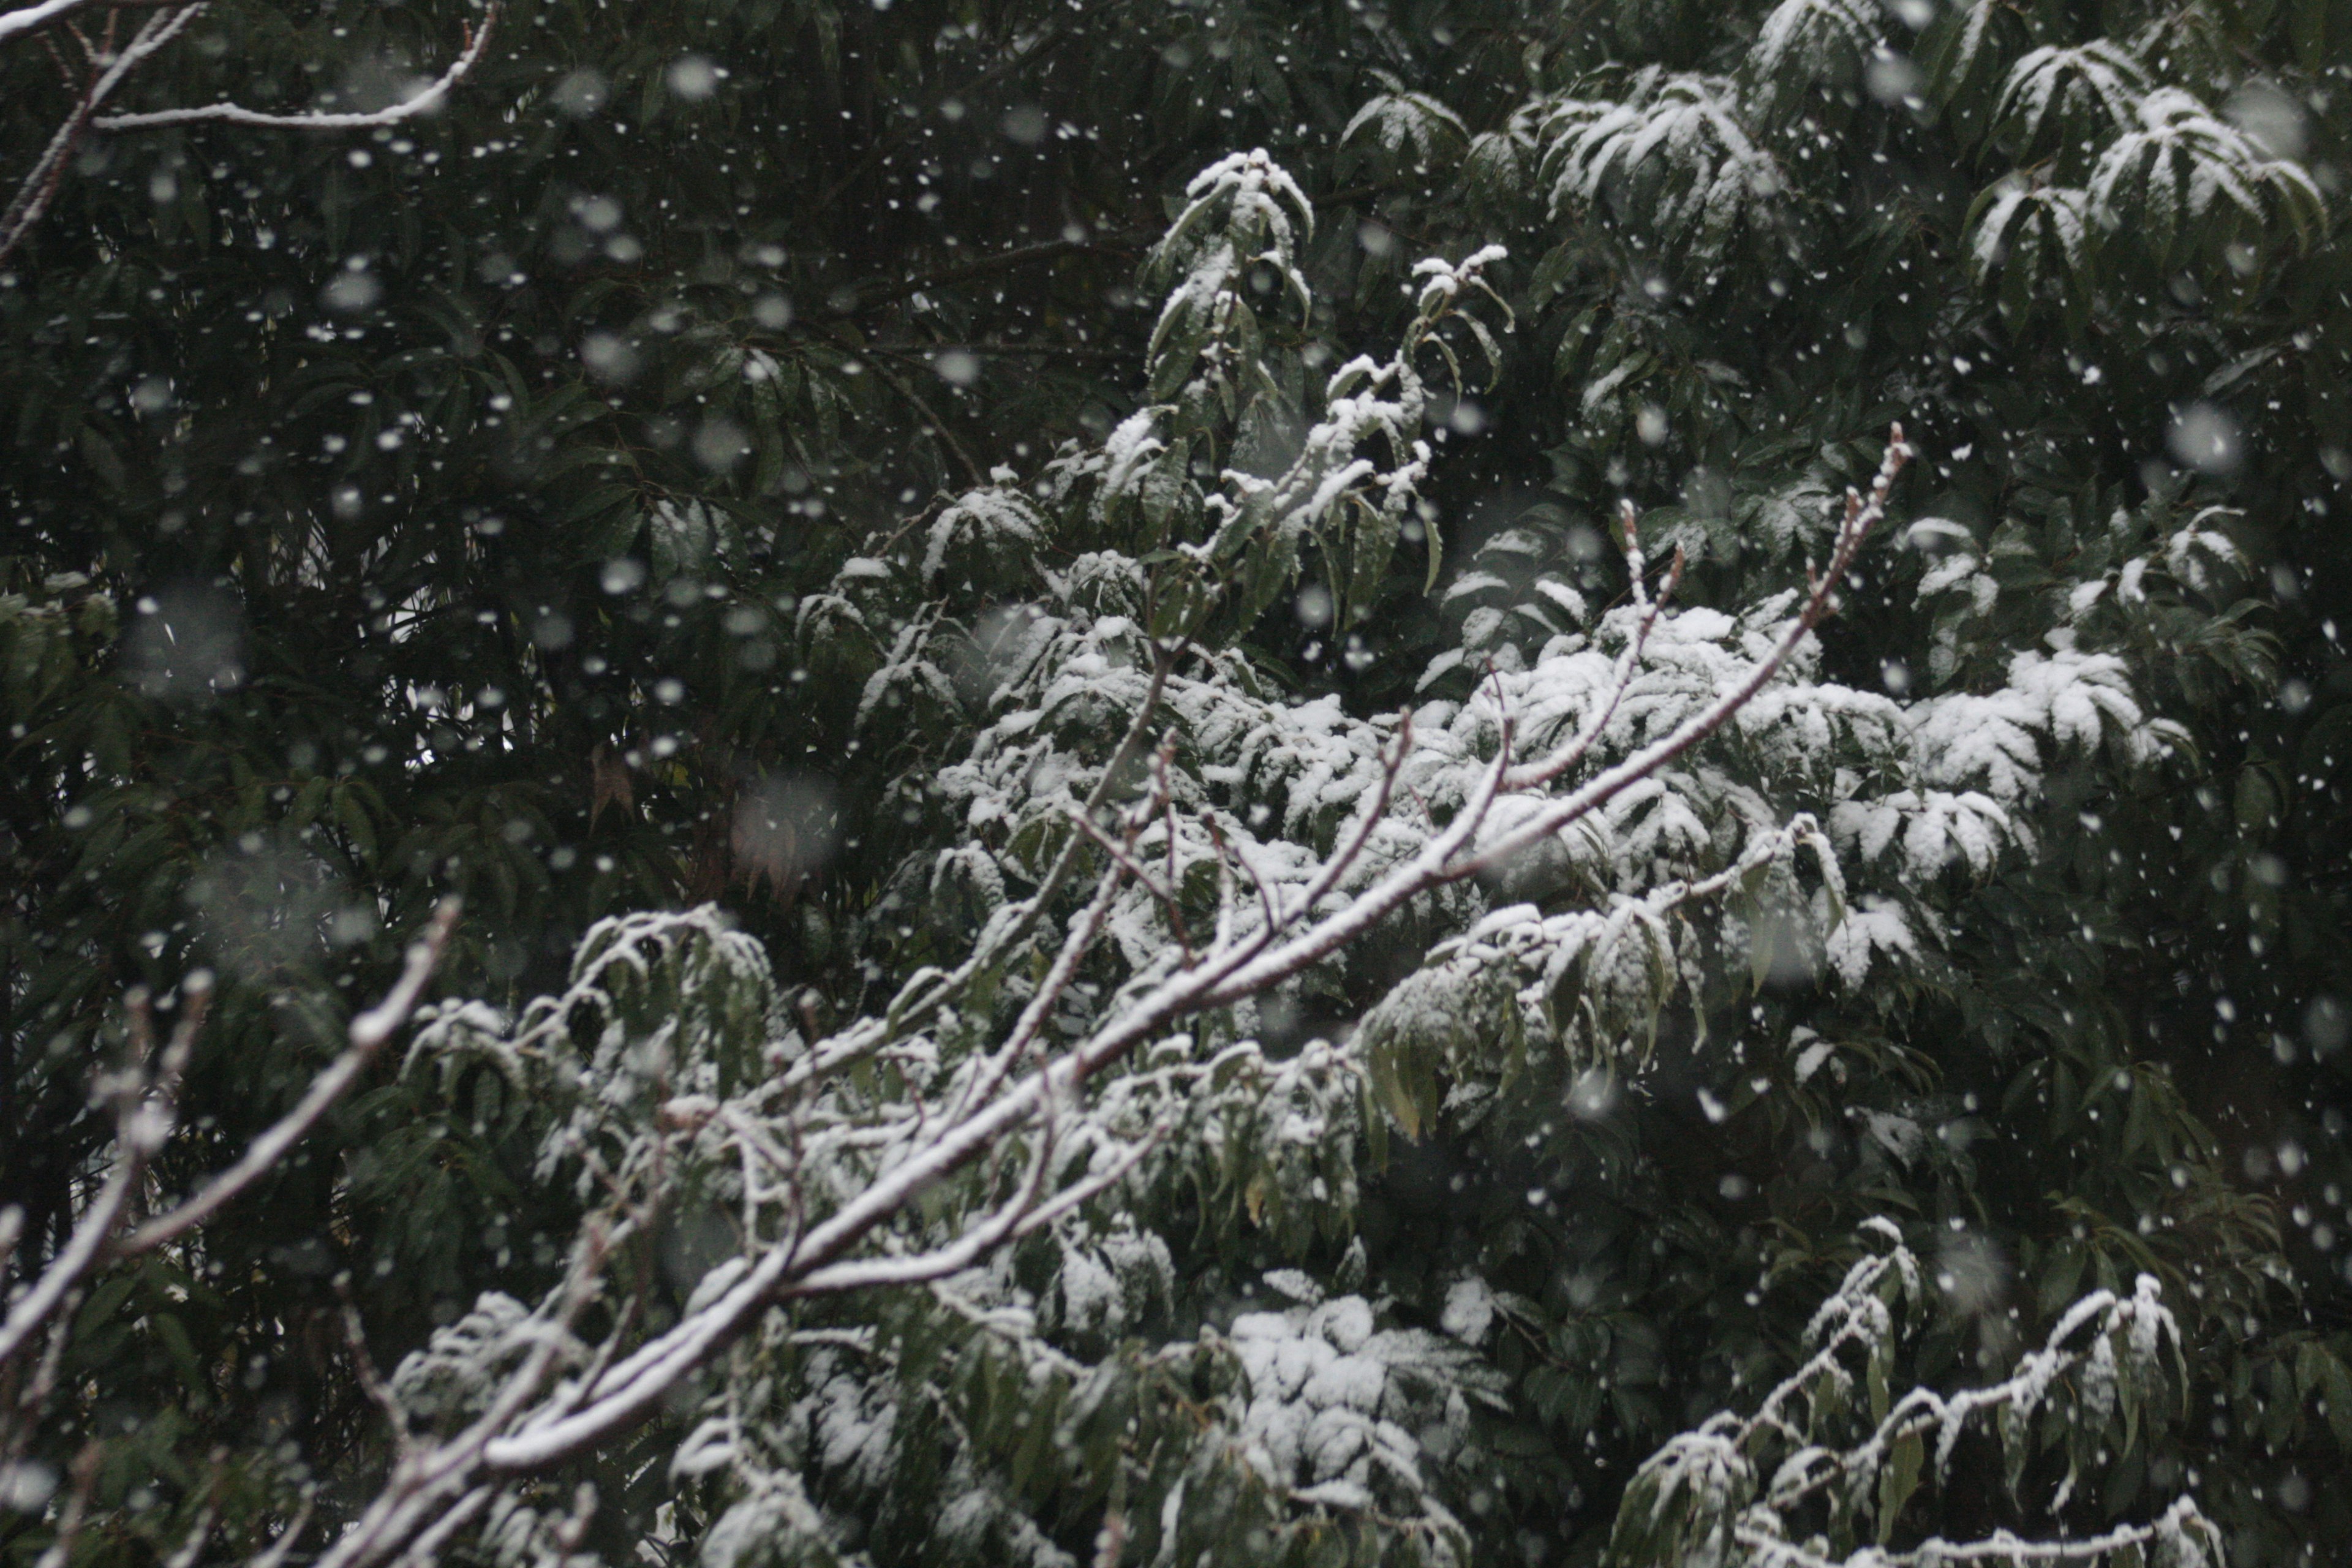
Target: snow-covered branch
column 108, row 71
column 368, row 1033
column 1158, row 856
column 1008, row 1125
column 1707, row 1492
column 1021, row 1090
column 144, row 1095
column 40, row 185
column 29, row 17
column 422, row 99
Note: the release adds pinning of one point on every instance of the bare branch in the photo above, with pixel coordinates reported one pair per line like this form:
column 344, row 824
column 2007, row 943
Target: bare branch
column 426, row 1550
column 77, row 1508
column 139, row 1129
column 1082, row 933
column 1162, row 893
column 1359, row 832
column 1860, row 519
column 978, row 1242
column 189, row 1550
column 1425, row 871
column 363, row 1366
column 277, row 1550
column 368, row 1033
column 1572, row 752
column 1102, row 1181
column 31, row 16
column 39, row 187
column 423, row 101
column 930, row 992
column 144, row 1105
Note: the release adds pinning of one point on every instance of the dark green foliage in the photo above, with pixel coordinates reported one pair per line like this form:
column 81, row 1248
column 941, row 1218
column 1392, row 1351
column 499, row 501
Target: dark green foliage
column 465, row 507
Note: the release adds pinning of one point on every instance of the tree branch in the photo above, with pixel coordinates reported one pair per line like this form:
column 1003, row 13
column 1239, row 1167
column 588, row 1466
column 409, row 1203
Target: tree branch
column 31, row 16
column 423, row 101
column 875, row 292
column 368, row 1033
column 39, row 188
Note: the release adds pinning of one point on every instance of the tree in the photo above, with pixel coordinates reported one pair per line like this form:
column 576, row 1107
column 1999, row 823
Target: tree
column 1913, row 936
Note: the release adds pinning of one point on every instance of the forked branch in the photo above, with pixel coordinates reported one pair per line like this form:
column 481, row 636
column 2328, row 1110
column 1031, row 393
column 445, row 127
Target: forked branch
column 39, row 188
column 1003, row 1099
column 144, row 1095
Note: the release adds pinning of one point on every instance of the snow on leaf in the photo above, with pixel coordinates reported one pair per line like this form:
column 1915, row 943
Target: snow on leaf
column 1672, row 156
column 1410, row 127
column 988, row 532
column 2085, row 89
column 1804, row 41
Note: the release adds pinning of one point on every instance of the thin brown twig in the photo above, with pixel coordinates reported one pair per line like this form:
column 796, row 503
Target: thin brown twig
column 277, row 1551
column 84, row 1474
column 938, row 427
column 877, row 293
column 40, row 186
column 363, row 1366
column 368, row 1033
column 192, row 1546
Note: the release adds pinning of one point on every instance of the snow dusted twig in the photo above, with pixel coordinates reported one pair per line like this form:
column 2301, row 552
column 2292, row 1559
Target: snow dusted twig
column 192, row 1546
column 930, row 990
column 432, row 1492
column 141, row 1122
column 1702, row 1487
column 1861, row 517
column 31, row 16
column 144, row 1102
column 1572, row 751
column 32, row 19
column 2178, row 1523
column 910, row 1146
column 423, row 100
column 39, row 188
column 974, row 1243
column 77, row 1507
column 368, row 1033
column 1082, row 935
column 277, row 1551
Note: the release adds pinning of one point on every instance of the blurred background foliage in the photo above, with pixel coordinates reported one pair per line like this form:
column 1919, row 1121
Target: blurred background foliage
column 391, row 512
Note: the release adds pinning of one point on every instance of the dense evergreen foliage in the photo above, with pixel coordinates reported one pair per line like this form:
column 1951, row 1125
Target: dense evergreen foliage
column 753, row 455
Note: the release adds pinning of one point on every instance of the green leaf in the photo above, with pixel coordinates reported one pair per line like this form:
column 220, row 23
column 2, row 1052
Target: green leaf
column 1897, row 1480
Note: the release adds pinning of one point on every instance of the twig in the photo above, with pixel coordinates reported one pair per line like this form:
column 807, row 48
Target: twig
column 139, row 1130
column 189, row 1550
column 938, row 427
column 39, row 187
column 277, row 1551
column 31, row 16
column 882, row 292
column 425, row 100
column 77, row 1507
column 364, row 1367
column 635, row 1387
column 368, row 1033
column 924, row 996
